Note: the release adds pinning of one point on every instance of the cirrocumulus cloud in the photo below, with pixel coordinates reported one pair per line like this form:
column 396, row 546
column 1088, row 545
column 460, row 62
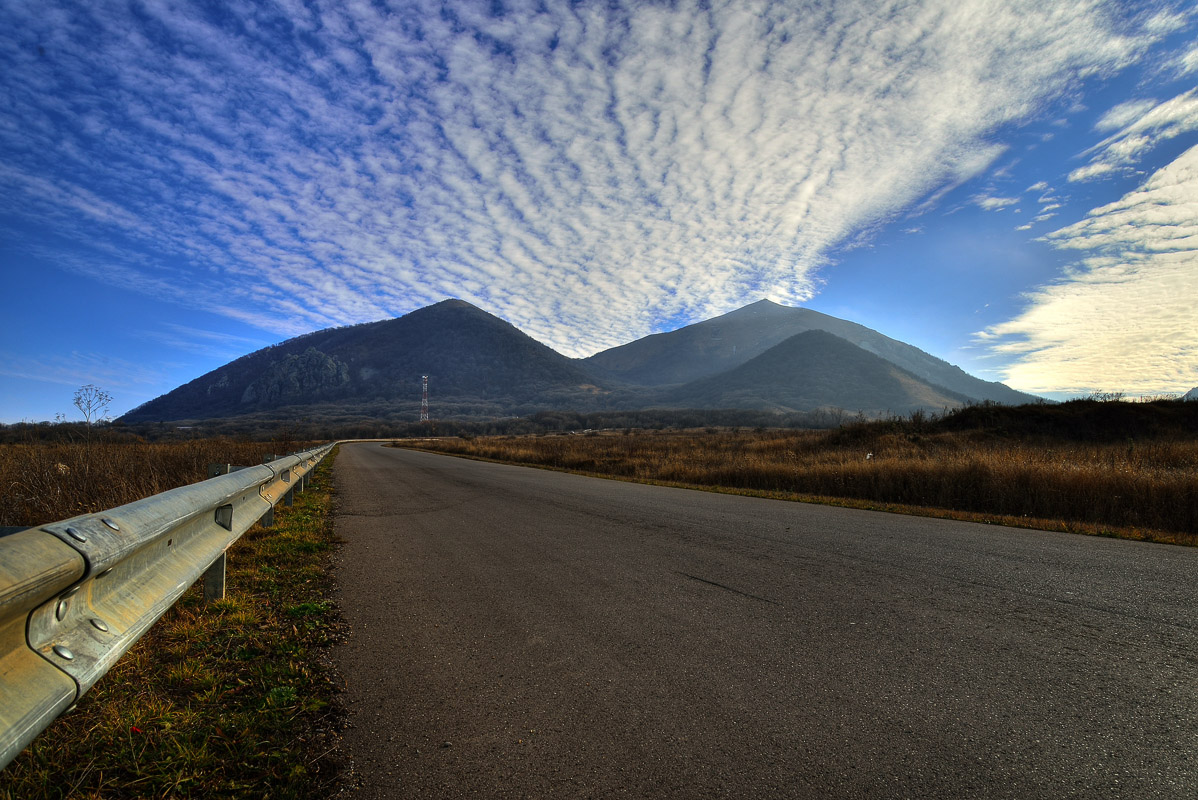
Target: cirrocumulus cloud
column 580, row 169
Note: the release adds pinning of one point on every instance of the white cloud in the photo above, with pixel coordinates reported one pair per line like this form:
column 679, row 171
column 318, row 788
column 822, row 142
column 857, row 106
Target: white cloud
column 1124, row 114
column 1123, row 318
column 995, row 203
column 1189, row 62
column 1091, row 171
column 1141, row 125
column 580, row 169
column 1166, row 21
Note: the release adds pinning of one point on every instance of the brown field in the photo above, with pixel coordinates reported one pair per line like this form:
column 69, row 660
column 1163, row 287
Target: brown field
column 43, row 482
column 1143, row 489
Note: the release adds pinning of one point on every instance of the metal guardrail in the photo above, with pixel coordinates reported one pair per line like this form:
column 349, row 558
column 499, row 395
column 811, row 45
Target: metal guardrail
column 75, row 595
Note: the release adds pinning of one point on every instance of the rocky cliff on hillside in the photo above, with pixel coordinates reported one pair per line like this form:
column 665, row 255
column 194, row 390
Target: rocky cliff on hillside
column 312, row 375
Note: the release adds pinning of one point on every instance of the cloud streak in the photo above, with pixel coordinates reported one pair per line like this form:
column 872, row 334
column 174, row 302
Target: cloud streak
column 77, row 368
column 580, row 170
column 1139, row 125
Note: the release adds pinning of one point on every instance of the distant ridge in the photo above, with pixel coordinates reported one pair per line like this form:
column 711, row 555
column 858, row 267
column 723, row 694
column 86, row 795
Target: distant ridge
column 812, row 370
column 718, row 344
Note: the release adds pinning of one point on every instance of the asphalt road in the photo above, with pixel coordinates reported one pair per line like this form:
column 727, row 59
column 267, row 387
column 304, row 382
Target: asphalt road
column 523, row 633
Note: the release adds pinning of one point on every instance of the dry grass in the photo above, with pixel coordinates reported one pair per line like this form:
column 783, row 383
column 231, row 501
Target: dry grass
column 1142, row 489
column 232, row 701
column 43, row 482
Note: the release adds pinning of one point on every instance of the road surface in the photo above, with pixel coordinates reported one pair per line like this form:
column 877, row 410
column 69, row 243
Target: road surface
column 523, row 633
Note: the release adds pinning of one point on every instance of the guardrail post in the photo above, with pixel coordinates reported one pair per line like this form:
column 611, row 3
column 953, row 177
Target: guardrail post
column 267, row 520
column 218, row 469
column 214, row 581
column 289, row 478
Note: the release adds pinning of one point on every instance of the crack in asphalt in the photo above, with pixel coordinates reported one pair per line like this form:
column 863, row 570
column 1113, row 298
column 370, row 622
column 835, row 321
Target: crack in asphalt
column 727, row 588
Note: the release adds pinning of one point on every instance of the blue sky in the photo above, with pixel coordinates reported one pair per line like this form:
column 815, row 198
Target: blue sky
column 1010, row 186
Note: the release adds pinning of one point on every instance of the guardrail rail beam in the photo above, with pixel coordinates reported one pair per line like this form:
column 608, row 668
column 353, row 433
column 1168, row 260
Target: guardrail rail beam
column 76, row 595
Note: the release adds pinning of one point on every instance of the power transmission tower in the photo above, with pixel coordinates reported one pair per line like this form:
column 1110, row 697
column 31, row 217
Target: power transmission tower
column 424, row 398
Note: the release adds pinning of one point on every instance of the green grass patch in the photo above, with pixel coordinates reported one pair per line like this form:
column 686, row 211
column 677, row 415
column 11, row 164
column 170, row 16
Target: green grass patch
column 233, row 700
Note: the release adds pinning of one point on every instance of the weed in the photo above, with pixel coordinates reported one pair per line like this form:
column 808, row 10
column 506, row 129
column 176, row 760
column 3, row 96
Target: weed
column 310, row 609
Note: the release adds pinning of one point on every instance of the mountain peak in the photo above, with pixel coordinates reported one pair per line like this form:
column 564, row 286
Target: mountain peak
column 765, row 304
column 452, row 302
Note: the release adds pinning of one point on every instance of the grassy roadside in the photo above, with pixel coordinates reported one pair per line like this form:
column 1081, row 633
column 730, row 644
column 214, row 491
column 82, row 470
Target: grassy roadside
column 1095, row 490
column 232, row 701
column 42, row 482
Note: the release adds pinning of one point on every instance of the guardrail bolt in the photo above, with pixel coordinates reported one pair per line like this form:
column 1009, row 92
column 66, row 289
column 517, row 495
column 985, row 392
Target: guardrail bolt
column 110, row 524
column 63, row 652
column 99, row 624
column 64, row 604
column 76, row 535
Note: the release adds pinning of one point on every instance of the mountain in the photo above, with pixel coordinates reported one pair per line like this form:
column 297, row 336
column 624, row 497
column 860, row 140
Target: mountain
column 763, row 356
column 811, row 370
column 466, row 352
column 1192, row 394
column 715, row 345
